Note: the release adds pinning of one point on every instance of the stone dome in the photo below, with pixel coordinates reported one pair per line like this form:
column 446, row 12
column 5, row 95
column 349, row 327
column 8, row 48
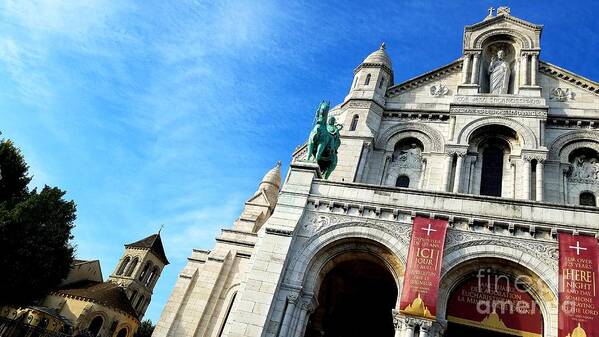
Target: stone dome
column 379, row 57
column 273, row 176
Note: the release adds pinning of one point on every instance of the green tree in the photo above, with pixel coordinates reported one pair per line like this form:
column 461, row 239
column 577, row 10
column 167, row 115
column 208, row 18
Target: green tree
column 35, row 229
column 145, row 329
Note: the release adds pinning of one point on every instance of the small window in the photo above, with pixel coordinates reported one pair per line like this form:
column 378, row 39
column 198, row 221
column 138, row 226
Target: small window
column 367, row 81
column 381, row 82
column 402, row 181
column 354, row 123
column 355, row 81
column 587, row 199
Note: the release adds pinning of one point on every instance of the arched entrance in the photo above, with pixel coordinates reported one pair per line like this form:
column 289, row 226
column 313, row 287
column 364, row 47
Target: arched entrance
column 355, row 298
column 492, row 297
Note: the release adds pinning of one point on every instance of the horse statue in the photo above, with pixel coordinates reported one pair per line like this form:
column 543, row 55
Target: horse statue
column 324, row 140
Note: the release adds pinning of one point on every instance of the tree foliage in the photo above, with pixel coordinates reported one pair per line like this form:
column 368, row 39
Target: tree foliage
column 35, row 229
column 145, row 329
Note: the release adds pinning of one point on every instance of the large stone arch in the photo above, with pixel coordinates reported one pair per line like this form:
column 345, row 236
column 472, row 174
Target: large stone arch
column 464, row 258
column 525, row 41
column 563, row 145
column 432, row 139
column 337, row 239
column 529, row 139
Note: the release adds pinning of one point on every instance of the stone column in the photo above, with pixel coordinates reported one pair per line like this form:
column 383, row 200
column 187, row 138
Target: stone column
column 425, row 328
column 409, row 331
column 465, row 68
column 566, row 169
column 288, row 315
column 539, row 180
column 458, row 172
column 451, row 127
column 542, row 133
column 475, row 70
column 305, row 311
column 533, row 69
column 398, row 323
column 471, row 174
column 446, row 176
column 385, row 166
column 524, row 69
column 422, row 174
column 526, row 177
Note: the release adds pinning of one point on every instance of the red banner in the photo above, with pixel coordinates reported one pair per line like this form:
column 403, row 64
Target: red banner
column 496, row 303
column 423, row 271
column 578, row 296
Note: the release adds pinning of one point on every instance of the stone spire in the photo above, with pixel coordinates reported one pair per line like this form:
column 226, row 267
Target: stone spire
column 261, row 205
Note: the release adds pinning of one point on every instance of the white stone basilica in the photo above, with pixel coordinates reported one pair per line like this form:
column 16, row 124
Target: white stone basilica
column 498, row 142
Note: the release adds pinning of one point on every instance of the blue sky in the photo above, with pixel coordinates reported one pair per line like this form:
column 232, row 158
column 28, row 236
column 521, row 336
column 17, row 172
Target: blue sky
column 170, row 112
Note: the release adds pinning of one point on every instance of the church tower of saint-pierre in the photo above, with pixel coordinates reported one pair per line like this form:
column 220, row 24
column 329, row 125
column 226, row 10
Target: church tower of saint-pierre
column 493, row 156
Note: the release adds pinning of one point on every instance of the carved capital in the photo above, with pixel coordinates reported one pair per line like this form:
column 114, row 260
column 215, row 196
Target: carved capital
column 292, row 297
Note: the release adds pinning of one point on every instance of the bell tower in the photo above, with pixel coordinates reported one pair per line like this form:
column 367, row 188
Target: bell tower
column 138, row 270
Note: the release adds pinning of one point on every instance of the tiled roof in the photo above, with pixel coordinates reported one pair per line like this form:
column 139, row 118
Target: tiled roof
column 105, row 293
column 154, row 244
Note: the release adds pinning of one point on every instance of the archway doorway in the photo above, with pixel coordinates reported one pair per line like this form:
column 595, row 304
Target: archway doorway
column 495, row 298
column 356, row 298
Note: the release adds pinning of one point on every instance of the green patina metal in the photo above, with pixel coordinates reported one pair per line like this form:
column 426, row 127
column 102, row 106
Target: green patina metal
column 324, row 140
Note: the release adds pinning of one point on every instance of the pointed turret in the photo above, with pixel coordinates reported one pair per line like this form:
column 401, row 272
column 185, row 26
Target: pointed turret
column 372, row 77
column 261, row 205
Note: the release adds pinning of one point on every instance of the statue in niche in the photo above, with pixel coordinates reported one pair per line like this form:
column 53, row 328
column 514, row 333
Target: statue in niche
column 499, row 74
column 412, row 157
column 585, row 168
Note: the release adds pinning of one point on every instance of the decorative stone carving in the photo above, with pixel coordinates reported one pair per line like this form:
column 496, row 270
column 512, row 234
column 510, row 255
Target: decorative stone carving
column 503, row 10
column 566, row 143
column 410, row 158
column 585, row 170
column 439, row 90
column 546, row 251
column 434, row 141
column 562, row 95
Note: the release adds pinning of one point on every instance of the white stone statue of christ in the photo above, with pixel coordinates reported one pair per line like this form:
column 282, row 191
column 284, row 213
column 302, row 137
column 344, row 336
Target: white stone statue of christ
column 499, row 74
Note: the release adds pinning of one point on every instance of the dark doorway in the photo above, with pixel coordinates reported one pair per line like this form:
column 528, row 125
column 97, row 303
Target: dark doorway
column 492, row 172
column 459, row 330
column 355, row 299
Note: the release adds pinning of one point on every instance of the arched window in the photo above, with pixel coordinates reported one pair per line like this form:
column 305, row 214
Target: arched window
column 381, row 82
column 152, row 277
column 133, row 295
column 367, row 80
column 587, row 199
column 492, row 172
column 132, row 267
column 95, row 325
column 139, row 302
column 355, row 81
column 144, row 271
column 123, row 265
column 122, row 333
column 354, row 123
column 402, row 181
column 222, row 327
